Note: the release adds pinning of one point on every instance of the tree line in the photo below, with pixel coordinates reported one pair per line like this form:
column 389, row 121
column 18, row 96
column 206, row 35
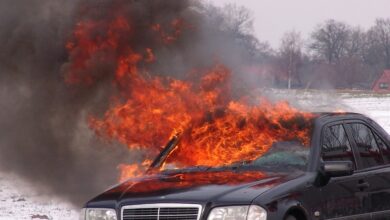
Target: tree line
column 334, row 55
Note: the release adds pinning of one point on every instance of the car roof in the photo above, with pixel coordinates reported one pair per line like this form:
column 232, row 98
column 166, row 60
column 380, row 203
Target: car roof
column 339, row 114
column 324, row 117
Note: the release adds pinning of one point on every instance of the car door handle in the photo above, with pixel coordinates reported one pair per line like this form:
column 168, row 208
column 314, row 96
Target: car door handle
column 363, row 185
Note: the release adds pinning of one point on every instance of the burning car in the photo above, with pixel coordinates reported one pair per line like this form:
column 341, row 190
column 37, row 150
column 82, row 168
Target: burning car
column 339, row 171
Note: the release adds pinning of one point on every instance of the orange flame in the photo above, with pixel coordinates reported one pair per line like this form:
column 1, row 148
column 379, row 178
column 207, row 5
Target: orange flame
column 215, row 129
column 133, row 170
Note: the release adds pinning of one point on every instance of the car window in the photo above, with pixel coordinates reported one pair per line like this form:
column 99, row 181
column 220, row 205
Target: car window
column 366, row 145
column 335, row 145
column 383, row 147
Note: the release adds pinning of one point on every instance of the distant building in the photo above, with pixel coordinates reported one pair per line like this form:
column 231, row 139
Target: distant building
column 382, row 84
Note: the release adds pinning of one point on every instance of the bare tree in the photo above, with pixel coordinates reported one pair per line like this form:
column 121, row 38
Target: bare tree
column 379, row 41
column 291, row 54
column 236, row 23
column 330, row 40
column 237, row 19
column 355, row 43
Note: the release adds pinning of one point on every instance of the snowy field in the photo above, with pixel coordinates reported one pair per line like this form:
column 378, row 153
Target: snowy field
column 378, row 108
column 18, row 200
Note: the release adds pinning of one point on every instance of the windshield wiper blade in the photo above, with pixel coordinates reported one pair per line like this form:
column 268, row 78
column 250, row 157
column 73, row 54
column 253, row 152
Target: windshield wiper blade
column 169, row 147
column 188, row 169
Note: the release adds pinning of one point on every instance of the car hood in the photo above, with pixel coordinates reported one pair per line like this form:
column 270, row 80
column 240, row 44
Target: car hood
column 229, row 186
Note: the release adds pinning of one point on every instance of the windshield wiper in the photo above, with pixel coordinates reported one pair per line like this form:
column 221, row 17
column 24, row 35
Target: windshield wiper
column 188, row 169
column 169, row 147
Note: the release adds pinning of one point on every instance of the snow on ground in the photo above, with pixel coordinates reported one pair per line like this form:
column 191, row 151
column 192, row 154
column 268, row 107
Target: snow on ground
column 377, row 108
column 18, row 200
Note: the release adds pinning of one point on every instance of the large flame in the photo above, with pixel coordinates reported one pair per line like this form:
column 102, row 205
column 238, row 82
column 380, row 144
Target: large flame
column 214, row 128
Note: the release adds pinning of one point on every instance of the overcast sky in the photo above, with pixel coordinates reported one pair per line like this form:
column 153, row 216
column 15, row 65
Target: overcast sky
column 274, row 17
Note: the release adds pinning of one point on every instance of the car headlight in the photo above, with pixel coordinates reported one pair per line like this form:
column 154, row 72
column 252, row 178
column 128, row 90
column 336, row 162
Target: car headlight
column 97, row 214
column 252, row 212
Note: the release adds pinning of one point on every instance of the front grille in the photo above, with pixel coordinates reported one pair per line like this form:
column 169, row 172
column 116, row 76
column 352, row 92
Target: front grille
column 161, row 212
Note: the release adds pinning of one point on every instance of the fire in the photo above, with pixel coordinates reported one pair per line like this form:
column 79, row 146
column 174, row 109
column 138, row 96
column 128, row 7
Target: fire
column 133, row 170
column 240, row 133
column 215, row 129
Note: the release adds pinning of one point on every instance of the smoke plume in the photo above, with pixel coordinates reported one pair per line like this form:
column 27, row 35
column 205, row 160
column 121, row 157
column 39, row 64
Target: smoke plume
column 44, row 135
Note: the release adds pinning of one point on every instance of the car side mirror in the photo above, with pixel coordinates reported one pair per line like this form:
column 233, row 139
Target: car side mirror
column 337, row 168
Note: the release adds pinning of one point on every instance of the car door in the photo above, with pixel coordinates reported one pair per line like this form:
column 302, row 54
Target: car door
column 342, row 197
column 381, row 198
column 374, row 157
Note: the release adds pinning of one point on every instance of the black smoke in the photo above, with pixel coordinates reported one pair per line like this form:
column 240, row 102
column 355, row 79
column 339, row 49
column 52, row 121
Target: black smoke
column 44, row 135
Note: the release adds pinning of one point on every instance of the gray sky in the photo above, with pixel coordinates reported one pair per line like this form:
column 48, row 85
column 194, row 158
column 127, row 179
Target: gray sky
column 274, row 17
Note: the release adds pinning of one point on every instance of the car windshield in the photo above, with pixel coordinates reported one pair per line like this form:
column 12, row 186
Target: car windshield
column 282, row 154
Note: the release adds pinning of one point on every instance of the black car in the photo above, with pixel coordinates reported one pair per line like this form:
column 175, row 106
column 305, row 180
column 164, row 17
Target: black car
column 343, row 174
